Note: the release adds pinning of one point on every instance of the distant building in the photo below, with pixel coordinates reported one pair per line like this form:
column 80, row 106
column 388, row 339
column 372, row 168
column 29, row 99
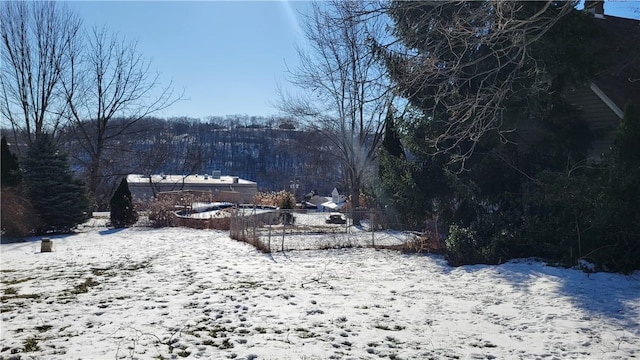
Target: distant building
column 224, row 188
column 326, row 203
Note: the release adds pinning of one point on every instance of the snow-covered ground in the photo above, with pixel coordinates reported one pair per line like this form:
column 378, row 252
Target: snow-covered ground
column 172, row 293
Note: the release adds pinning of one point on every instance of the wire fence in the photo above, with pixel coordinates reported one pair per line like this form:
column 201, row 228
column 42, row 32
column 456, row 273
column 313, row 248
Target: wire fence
column 272, row 230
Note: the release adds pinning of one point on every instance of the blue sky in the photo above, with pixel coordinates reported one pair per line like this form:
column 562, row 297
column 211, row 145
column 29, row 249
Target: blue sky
column 227, row 56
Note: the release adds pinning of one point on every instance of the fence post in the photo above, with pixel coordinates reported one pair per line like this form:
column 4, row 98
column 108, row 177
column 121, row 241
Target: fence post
column 284, row 230
column 347, row 228
column 255, row 224
column 372, row 225
column 242, row 226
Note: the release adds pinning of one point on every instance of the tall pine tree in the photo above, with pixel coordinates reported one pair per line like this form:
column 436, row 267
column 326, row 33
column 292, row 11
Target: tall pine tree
column 622, row 201
column 60, row 200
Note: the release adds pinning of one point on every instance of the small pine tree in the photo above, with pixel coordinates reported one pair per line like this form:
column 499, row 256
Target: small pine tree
column 58, row 198
column 122, row 211
column 10, row 168
column 391, row 141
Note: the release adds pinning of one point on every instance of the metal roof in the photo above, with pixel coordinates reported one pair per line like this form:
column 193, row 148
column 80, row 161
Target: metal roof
column 188, row 179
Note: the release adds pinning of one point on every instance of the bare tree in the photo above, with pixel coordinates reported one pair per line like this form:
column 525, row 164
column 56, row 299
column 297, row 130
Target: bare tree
column 461, row 62
column 37, row 38
column 158, row 151
column 344, row 90
column 110, row 90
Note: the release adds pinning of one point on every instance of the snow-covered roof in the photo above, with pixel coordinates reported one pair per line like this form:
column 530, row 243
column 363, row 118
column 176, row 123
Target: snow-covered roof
column 332, row 205
column 187, row 179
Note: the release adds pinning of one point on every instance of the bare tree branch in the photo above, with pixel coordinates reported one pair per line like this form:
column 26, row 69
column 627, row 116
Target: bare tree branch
column 110, row 90
column 36, row 40
column 461, row 62
column 344, row 90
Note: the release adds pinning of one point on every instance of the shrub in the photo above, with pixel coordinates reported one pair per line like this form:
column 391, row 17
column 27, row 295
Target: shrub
column 273, row 198
column 19, row 219
column 122, row 211
column 161, row 213
column 593, row 215
column 287, row 201
column 212, row 223
column 462, row 247
column 502, row 246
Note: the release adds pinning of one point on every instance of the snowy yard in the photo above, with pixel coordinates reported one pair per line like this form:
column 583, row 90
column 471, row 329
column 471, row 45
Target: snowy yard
column 177, row 292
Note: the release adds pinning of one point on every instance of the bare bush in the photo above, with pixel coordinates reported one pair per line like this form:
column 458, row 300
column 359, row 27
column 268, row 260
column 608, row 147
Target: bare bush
column 272, row 198
column 422, row 243
column 243, row 228
column 211, row 223
column 162, row 213
column 19, row 219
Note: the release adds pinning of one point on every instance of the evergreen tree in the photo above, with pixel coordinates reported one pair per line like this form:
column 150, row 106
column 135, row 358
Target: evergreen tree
column 122, row 211
column 627, row 147
column 396, row 176
column 474, row 97
column 391, row 142
column 58, row 198
column 10, row 169
column 593, row 211
column 622, row 200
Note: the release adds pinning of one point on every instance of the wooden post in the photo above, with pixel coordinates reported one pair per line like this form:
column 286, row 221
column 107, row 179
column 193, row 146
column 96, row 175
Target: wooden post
column 45, row 245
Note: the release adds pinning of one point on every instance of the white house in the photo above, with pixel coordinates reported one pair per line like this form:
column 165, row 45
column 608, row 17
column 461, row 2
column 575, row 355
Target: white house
column 328, row 203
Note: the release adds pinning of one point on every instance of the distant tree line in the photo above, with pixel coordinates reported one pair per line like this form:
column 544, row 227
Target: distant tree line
column 270, row 152
column 273, row 157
